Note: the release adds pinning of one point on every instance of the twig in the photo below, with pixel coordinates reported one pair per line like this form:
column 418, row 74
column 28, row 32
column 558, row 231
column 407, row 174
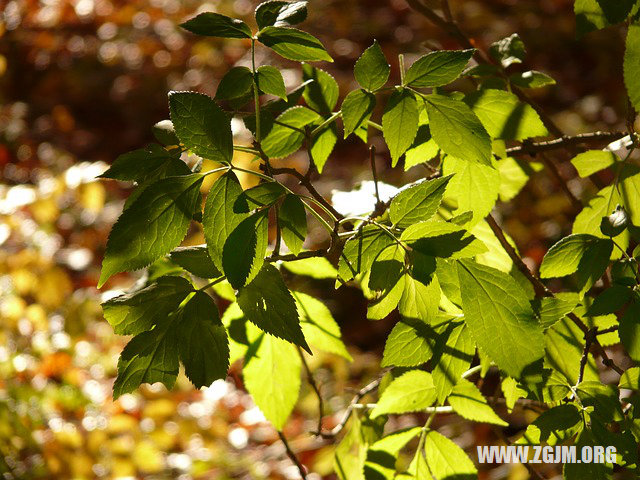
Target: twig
column 316, row 389
column 607, row 330
column 589, row 338
column 289, row 257
column 575, row 202
column 564, row 141
column 276, row 248
column 374, row 172
column 292, row 456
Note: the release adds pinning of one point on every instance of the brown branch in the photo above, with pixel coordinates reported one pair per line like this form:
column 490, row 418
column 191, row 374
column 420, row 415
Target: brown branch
column 292, row 257
column 589, row 338
column 292, row 456
column 531, row 148
column 315, row 387
column 555, row 172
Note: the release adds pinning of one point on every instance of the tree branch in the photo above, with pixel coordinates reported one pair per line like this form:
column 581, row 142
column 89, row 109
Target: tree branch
column 531, row 148
column 315, row 387
column 291, row 257
column 292, row 456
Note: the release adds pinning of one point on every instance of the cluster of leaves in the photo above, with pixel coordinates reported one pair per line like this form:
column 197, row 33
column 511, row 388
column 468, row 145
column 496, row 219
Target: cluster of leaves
column 429, row 252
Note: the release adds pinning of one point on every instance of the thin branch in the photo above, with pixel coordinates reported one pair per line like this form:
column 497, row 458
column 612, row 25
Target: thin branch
column 575, row 202
column 374, row 172
column 289, row 257
column 315, row 387
column 292, row 456
column 589, row 338
column 276, row 248
column 607, row 330
column 531, row 148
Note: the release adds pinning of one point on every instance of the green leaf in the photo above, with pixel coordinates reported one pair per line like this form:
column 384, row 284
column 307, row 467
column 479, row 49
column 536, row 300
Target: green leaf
column 564, row 346
column 322, row 145
column 152, row 226
column 272, row 377
column 457, row 130
column 597, row 14
column 361, row 250
column 421, row 297
column 143, row 164
column 453, row 354
column 293, row 44
column 262, row 195
column 137, row 312
column 423, row 148
column 201, row 125
column 245, row 248
column 356, row 109
column 499, row 317
column 508, row 50
column 237, row 82
column 468, row 402
column 610, row 301
column 195, row 260
column 318, row 326
column 270, row 81
column 315, row 267
column 269, row 305
column 387, row 279
column 630, row 379
column 411, row 392
column 552, row 309
column 632, row 64
column 372, row 69
column 531, row 79
column 409, row 344
column 603, row 398
column 447, row 460
column 512, row 392
column 472, row 188
column 418, row 202
column 514, row 175
column 149, row 357
column 589, row 219
column 322, row 93
column 592, row 161
column 216, row 25
column 203, row 343
column 441, row 239
column 553, row 426
column 400, row 122
column 292, row 219
column 280, row 14
column 437, row 68
column 504, row 116
column 382, row 455
column 223, row 212
column 287, row 135
column 629, row 331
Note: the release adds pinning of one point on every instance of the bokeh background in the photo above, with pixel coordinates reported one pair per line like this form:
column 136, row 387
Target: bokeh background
column 82, row 81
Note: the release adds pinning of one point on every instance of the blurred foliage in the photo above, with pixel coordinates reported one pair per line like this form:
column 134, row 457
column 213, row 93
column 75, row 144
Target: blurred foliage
column 80, row 81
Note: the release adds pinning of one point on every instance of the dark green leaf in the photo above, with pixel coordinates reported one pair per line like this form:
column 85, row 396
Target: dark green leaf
column 294, row 44
column 417, row 203
column 323, row 144
column 531, row 79
column 322, row 92
column 270, row 81
column 137, row 312
column 195, row 260
column 400, row 123
column 508, row 50
column 632, row 63
column 216, row 25
column 268, row 304
column 610, row 301
column 201, row 125
column 629, row 331
column 152, row 226
column 387, row 279
column 293, row 222
column 596, row 14
column 143, row 164
column 356, row 109
column 245, row 248
column 280, row 14
column 437, row 68
column 165, row 133
column 361, row 250
column 287, row 134
column 442, row 239
column 237, row 82
column 262, row 195
column 372, row 69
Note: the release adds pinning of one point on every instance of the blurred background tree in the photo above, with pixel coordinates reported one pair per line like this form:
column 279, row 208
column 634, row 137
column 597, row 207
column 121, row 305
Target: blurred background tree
column 81, row 81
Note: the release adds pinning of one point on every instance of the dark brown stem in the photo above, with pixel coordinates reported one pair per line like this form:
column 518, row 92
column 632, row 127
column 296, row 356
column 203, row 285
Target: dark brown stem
column 292, row 456
column 315, row 387
column 374, row 172
column 589, row 338
column 531, row 148
column 291, row 257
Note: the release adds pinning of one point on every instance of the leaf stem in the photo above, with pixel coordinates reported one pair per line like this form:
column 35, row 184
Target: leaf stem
column 256, row 92
column 329, row 120
column 212, row 283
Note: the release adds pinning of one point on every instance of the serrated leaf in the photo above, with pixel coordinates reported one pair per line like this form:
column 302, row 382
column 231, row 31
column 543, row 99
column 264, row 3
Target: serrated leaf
column 293, row 223
column 280, row 14
column 418, row 202
column 245, row 248
column 499, row 317
column 142, row 165
column 137, row 312
column 437, row 68
column 400, row 123
column 610, row 301
column 237, row 82
column 512, row 392
column 216, row 25
column 195, row 260
column 318, row 326
column 294, row 44
column 321, row 94
column 595, row 14
column 222, row 214
column 382, row 455
column 356, row 109
column 603, row 398
column 315, row 267
column 457, row 130
column 203, row 343
column 468, row 402
column 504, row 116
column 473, row 187
column 360, row 251
column 446, row 460
column 551, row 309
column 270, row 81
column 442, row 239
column 269, row 305
column 410, row 392
column 453, row 354
column 419, row 299
column 508, row 50
column 152, row 226
column 387, row 279
column 201, row 125
column 629, row 331
column 632, row 64
column 372, row 69
column 630, row 379
column 531, row 79
column 287, row 135
column 589, row 219
column 409, row 344
column 149, row 357
column 262, row 195
column 322, row 145
column 423, row 148
column 272, row 377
